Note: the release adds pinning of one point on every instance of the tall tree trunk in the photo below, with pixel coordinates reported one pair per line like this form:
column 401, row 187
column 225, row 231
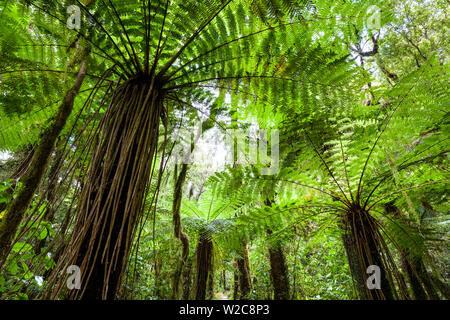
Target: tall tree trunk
column 224, row 280
column 176, row 207
column 205, row 270
column 112, row 198
column 38, row 167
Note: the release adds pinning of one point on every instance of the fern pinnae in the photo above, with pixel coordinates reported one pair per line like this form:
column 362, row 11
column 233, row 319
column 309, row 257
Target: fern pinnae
column 166, row 67
column 136, row 60
column 345, row 169
column 388, row 119
column 107, row 34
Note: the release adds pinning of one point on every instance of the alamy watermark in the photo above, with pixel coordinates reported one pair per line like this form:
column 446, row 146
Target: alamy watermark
column 234, row 146
column 74, row 20
column 374, row 281
column 74, row 280
column 373, row 21
column 371, row 17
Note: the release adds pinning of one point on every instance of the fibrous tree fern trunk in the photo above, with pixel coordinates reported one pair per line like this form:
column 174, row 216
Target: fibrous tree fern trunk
column 38, row 166
column 279, row 273
column 353, row 263
column 112, row 197
column 364, row 249
column 187, row 279
column 278, row 267
column 204, row 276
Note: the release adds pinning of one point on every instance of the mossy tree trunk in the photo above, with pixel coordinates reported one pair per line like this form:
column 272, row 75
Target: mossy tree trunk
column 178, row 230
column 278, row 267
column 32, row 179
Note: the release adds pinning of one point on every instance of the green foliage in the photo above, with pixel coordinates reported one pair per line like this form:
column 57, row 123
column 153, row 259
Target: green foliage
column 356, row 128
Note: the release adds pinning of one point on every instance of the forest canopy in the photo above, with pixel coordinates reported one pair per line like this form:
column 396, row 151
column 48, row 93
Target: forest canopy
column 224, row 150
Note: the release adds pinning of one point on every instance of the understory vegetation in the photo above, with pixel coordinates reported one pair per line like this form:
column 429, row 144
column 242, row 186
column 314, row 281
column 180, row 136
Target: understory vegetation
column 232, row 149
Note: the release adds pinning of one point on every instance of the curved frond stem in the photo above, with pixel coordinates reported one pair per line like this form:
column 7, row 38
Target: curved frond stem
column 53, row 71
column 192, row 38
column 223, row 45
column 328, row 168
column 137, row 64
column 193, row 83
column 426, row 149
column 373, row 190
column 403, row 166
column 158, row 48
column 404, row 189
column 211, row 64
column 237, row 90
column 86, row 38
column 345, row 169
column 359, row 190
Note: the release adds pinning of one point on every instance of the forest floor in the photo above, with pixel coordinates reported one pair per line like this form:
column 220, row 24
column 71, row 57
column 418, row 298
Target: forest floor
column 221, row 296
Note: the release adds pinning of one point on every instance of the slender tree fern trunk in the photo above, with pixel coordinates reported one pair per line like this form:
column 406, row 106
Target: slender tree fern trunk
column 187, row 280
column 412, row 264
column 443, row 288
column 178, row 228
column 426, row 279
column 279, row 273
column 408, row 262
column 244, row 278
column 416, row 286
column 236, row 281
column 49, row 214
column 224, row 281
column 38, row 166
